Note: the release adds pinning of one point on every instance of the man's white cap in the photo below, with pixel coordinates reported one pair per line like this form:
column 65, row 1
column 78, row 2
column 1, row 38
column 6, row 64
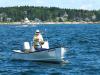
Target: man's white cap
column 37, row 31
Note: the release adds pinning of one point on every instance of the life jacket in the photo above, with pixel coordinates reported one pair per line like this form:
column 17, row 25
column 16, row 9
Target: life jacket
column 37, row 41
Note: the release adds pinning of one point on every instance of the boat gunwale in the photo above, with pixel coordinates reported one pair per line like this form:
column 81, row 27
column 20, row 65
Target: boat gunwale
column 49, row 50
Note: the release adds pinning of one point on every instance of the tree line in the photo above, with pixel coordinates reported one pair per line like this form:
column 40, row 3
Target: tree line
column 47, row 14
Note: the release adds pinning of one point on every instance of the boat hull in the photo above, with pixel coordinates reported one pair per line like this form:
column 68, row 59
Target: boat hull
column 54, row 55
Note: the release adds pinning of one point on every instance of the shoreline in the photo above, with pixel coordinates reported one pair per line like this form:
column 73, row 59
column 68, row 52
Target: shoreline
column 36, row 23
column 71, row 22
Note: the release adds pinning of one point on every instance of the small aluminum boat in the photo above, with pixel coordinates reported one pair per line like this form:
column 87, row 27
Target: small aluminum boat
column 44, row 54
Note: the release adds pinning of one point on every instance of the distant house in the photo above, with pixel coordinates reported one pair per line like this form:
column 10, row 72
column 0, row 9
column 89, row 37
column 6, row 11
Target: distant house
column 26, row 20
column 65, row 15
column 8, row 19
column 63, row 18
column 93, row 17
column 3, row 17
column 87, row 19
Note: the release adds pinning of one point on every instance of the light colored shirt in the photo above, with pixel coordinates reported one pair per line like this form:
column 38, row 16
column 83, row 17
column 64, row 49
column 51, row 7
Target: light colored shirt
column 37, row 40
column 39, row 37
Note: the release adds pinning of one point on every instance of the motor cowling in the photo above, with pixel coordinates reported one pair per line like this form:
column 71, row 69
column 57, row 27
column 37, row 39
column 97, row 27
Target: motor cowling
column 45, row 45
column 27, row 47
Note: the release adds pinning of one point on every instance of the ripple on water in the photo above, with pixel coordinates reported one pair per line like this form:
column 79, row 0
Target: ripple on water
column 82, row 41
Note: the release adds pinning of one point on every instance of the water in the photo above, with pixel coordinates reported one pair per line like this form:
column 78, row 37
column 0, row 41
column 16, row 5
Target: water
column 82, row 42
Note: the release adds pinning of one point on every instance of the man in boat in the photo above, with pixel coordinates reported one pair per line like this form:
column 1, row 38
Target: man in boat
column 38, row 40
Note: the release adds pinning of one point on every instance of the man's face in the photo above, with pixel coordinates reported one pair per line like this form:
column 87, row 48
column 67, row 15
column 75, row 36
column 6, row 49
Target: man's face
column 37, row 33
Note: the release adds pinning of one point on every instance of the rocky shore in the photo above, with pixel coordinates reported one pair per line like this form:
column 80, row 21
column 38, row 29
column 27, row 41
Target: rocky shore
column 35, row 23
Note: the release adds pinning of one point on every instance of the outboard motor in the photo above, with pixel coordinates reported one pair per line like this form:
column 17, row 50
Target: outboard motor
column 27, row 47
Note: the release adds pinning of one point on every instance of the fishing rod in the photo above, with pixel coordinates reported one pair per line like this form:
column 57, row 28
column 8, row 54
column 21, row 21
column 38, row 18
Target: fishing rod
column 46, row 34
column 44, row 29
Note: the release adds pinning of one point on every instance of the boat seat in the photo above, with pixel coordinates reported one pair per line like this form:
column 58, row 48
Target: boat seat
column 40, row 49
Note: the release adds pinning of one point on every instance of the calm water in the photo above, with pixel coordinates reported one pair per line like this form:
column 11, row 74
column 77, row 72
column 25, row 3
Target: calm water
column 82, row 41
